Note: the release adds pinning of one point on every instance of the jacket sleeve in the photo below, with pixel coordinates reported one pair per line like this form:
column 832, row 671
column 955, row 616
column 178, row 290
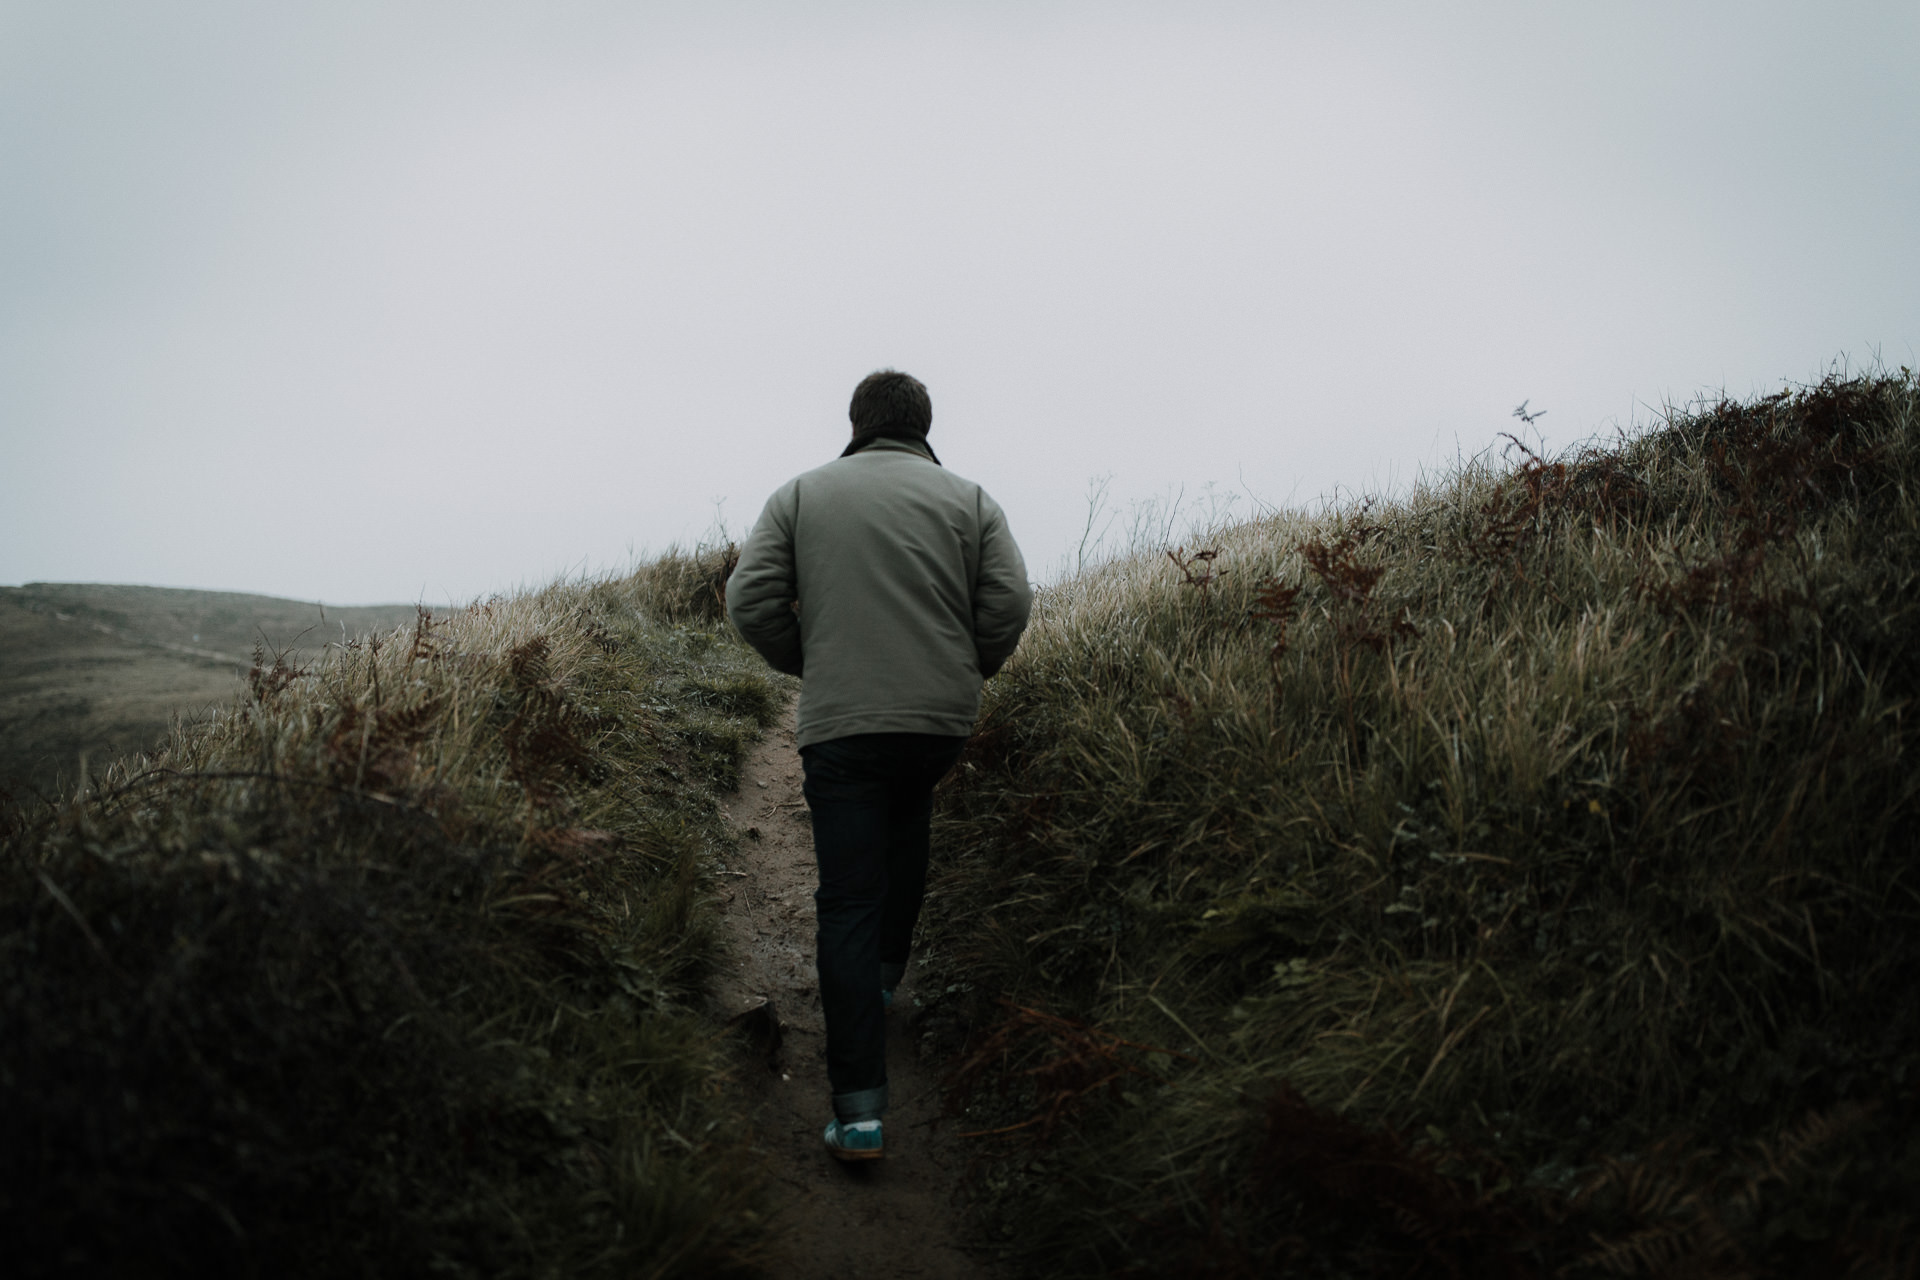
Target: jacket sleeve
column 764, row 586
column 1002, row 600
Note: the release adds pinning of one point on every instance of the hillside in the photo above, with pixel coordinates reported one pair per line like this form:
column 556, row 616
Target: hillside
column 394, row 967
column 1516, row 880
column 100, row 670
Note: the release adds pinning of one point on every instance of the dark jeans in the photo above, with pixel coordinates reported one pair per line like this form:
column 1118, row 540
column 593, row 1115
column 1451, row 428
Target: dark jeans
column 871, row 796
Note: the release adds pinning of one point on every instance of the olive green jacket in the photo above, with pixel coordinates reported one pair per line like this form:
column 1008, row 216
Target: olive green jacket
column 888, row 584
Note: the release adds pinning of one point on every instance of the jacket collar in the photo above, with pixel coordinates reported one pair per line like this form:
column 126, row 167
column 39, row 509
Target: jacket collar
column 907, row 441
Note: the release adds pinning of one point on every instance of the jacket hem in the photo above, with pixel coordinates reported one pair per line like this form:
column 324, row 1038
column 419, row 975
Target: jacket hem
column 846, row 726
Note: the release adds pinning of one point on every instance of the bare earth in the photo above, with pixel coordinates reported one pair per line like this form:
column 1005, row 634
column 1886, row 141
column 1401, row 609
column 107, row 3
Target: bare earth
column 885, row 1218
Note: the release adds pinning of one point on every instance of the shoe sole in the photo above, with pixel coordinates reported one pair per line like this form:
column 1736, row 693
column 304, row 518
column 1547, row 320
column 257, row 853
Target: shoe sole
column 848, row 1155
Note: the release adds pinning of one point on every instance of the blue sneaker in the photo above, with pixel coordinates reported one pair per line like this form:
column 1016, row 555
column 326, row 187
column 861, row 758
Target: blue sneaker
column 857, row 1141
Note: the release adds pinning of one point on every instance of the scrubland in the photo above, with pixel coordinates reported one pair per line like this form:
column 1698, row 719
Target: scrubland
column 1513, row 880
column 391, row 968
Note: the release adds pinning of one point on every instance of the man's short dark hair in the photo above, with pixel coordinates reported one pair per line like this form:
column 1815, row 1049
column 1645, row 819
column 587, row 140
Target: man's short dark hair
column 890, row 401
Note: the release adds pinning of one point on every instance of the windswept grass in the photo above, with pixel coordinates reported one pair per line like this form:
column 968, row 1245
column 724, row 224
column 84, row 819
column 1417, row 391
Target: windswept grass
column 1513, row 880
column 387, row 972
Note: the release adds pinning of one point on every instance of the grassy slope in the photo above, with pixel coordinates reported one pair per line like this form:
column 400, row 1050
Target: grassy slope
column 102, row 670
column 387, row 971
column 1546, row 900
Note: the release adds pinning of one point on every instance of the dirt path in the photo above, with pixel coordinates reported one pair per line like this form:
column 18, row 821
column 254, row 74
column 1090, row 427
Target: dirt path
column 886, row 1218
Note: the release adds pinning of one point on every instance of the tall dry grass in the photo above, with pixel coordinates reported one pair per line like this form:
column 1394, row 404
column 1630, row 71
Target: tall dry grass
column 1515, row 879
column 390, row 971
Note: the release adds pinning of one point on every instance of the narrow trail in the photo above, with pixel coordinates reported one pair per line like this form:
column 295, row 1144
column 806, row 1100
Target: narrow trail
column 896, row 1217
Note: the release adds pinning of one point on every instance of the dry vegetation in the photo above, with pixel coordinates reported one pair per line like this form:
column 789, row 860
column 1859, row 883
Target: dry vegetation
column 1511, row 881
column 1516, row 880
column 388, row 969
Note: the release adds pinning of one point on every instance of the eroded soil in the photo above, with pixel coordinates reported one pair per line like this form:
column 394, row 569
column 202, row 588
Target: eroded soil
column 893, row 1217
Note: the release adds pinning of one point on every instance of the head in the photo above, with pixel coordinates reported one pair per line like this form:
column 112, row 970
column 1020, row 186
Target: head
column 890, row 400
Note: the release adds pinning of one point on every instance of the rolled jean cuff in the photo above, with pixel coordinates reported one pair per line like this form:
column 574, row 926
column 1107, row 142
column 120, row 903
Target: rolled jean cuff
column 891, row 975
column 861, row 1104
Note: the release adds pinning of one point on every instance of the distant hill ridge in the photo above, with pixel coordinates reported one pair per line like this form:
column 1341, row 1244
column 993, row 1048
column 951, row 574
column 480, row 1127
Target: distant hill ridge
column 215, row 624
column 99, row 669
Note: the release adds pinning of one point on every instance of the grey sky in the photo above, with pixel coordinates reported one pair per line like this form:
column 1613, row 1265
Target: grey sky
column 384, row 301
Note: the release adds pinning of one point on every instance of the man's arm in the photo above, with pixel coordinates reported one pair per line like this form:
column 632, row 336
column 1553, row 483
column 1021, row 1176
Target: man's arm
column 763, row 588
column 1002, row 600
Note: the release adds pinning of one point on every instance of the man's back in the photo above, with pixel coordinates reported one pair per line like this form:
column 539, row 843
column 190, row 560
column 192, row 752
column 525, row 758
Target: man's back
column 911, row 590
column 892, row 588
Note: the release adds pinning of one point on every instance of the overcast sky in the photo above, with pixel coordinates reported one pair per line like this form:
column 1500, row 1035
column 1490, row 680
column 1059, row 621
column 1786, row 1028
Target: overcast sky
column 395, row 301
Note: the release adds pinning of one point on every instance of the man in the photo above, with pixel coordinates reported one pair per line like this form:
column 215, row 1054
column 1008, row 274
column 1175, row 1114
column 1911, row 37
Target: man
column 892, row 588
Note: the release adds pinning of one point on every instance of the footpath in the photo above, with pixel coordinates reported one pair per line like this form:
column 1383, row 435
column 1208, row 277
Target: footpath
column 896, row 1217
